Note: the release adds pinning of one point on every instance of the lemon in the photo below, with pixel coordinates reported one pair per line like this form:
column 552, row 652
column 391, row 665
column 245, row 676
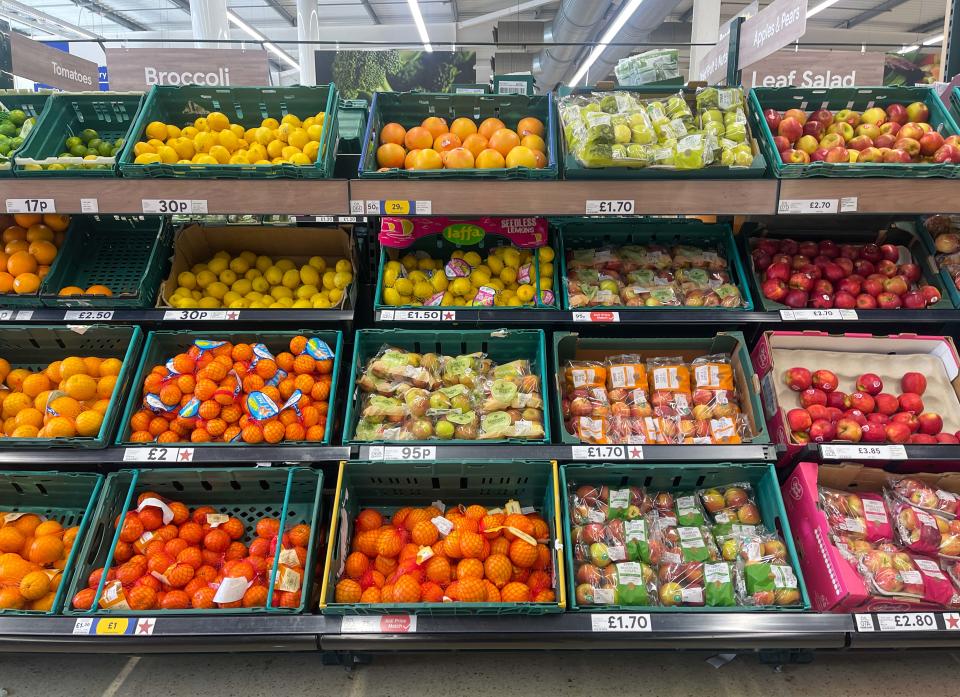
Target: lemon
column 196, row 294
column 208, row 302
column 257, row 305
column 156, row 129
column 472, row 258
column 205, row 278
column 511, row 257
column 230, row 297
column 274, row 275
column 187, row 280
column 311, row 151
column 341, row 279
column 218, row 265
column 217, row 121
column 289, row 151
column 514, row 302
column 300, row 159
column 422, row 290
column 307, row 291
column 263, row 136
column 546, row 270
column 328, row 280
column 291, row 278
column 309, row 275
column 263, row 263
column 417, row 276
column 205, row 160
column 321, row 303
column 228, row 277
column 495, row 264
column 391, row 296
column 239, row 265
column 275, row 148
column 390, row 277
column 143, row 148
column 546, row 283
column 278, row 292
column 545, row 254
column 220, row 154
column 187, row 303
column 238, row 304
column 238, row 159
column 447, row 300
column 298, row 138
column 270, row 123
column 457, row 254
column 241, row 286
column 479, row 278
column 525, row 292
column 335, row 295
column 147, row 158
column 496, row 284
column 260, row 285
column 319, row 263
column 284, row 302
column 439, row 282
column 403, row 286
column 217, row 290
column 256, row 152
column 290, row 120
column 315, row 132
column 285, row 265
column 508, row 275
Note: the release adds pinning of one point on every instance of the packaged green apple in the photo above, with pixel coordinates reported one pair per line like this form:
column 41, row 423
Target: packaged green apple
column 642, row 539
column 636, row 583
column 718, row 587
column 769, row 583
column 733, row 503
column 681, row 584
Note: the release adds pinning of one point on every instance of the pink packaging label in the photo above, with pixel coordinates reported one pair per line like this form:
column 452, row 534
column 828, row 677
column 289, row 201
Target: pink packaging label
column 456, row 268
column 877, row 522
column 522, row 232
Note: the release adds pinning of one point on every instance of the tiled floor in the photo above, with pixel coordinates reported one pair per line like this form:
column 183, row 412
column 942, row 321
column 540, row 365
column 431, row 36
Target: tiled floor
column 892, row 674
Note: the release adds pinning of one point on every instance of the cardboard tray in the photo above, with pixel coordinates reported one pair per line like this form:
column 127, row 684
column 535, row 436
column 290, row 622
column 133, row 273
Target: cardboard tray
column 849, row 356
column 195, row 244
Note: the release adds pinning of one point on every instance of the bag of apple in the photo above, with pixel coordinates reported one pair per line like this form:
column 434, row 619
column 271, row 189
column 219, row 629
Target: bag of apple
column 719, row 588
column 923, row 532
column 856, row 515
column 891, row 571
column 937, row 587
column 921, row 495
column 729, row 505
column 681, row 584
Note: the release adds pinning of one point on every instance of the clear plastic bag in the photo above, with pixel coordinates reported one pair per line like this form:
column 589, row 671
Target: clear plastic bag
column 857, row 515
column 889, row 571
column 398, row 365
column 769, row 582
column 731, row 504
column 920, row 494
column 681, row 584
column 922, row 532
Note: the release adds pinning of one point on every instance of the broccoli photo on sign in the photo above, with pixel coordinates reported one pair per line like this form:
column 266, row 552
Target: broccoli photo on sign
column 358, row 74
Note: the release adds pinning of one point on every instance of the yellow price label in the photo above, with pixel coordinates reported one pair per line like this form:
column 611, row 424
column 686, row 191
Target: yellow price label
column 113, row 626
column 396, row 207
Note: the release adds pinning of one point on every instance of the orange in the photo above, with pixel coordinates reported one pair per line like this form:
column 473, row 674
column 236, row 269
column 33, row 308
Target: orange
column 6, row 281
column 391, row 155
column 534, row 142
column 518, row 521
column 436, row 125
column 175, row 600
column 83, row 600
column 504, row 140
column 389, row 542
column 83, row 387
column 470, row 568
column 521, row 156
column 418, row 138
column 498, row 569
column 43, row 251
column 446, row 141
column 428, row 158
column 71, row 290
column 16, row 246
column 26, row 283
column 471, row 590
column 57, row 223
column 256, row 596
column 59, row 427
column 72, row 366
column 25, row 220
column 490, row 126
column 10, row 599
column 14, row 402
column 99, row 290
column 493, row 593
column 406, row 589
column 410, row 161
column 44, row 604
column 67, row 407
column 27, row 524
column 348, row 591
column 523, row 554
column 393, row 133
column 530, row 126
column 11, row 540
column 369, row 519
column 105, row 386
column 21, row 262
column 14, row 232
column 370, row 595
column 110, row 366
column 356, row 565
column 34, row 384
column 459, row 158
column 45, row 550
column 463, row 127
column 425, row 533
column 142, row 598
column 515, row 593
column 89, row 422
column 490, row 159
column 35, row 585
column 500, row 545
column 48, row 527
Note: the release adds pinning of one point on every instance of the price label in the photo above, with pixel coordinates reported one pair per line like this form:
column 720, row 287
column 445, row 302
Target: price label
column 357, row 207
column 848, row 204
column 31, row 205
column 863, row 452
column 349, row 219
column 15, row 315
column 601, row 317
column 420, row 315
column 113, row 627
column 607, row 452
column 88, row 315
column 907, row 622
column 196, row 315
column 832, row 313
column 383, row 624
column 323, row 218
column 806, row 206
column 371, row 208
column 409, row 452
column 83, row 625
column 173, row 205
column 620, row 207
column 632, row 622
column 89, row 205
column 156, row 454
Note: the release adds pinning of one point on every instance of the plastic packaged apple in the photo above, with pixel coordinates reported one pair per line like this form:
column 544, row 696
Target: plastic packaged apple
column 925, row 533
column 856, row 515
column 651, row 275
column 945, row 231
column 413, row 396
column 619, row 129
column 921, row 495
column 824, row 274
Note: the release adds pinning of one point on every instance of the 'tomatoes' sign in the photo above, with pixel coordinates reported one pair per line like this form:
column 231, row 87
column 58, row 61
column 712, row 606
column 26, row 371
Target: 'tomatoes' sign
column 38, row 62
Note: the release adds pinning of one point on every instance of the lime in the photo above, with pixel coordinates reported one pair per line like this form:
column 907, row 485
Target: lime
column 118, row 143
column 105, row 149
column 4, row 139
column 71, row 142
column 94, row 144
column 8, row 129
column 17, row 117
column 64, row 154
column 89, row 134
column 4, row 148
column 16, row 142
column 78, row 151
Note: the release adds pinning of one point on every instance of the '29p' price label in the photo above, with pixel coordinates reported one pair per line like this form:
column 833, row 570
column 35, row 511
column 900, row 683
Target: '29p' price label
column 621, row 622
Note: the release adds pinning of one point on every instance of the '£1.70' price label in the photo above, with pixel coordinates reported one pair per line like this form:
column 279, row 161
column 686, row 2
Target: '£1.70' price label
column 621, row 622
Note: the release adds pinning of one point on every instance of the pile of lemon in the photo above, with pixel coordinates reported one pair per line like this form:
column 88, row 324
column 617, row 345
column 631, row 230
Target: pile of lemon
column 213, row 140
column 258, row 282
column 508, row 271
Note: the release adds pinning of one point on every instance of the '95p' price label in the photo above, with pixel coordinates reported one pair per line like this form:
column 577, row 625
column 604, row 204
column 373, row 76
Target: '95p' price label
column 402, row 452
column 632, row 622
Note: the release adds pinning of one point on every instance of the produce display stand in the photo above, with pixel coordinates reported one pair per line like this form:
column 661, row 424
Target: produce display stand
column 785, row 636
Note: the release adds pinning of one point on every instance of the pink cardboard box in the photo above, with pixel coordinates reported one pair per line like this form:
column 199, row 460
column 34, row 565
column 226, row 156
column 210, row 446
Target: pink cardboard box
column 893, row 358
column 832, row 582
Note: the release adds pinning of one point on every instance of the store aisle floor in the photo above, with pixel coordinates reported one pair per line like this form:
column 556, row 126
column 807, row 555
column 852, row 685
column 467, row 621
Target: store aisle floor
column 451, row 675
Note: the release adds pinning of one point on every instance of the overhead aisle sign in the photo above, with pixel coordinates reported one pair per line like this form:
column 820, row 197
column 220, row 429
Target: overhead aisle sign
column 778, row 24
column 140, row 68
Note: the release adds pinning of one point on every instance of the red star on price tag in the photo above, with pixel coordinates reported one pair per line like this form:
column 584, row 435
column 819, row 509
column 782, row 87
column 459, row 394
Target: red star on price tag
column 233, row 315
column 145, row 626
column 636, row 452
column 448, row 315
column 186, row 454
column 952, row 620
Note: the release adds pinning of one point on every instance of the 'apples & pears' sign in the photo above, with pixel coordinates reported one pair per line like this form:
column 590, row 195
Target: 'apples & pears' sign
column 815, row 69
column 778, row 24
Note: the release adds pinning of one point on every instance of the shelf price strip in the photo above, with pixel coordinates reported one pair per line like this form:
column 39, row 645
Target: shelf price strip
column 606, row 452
column 621, row 622
column 402, row 452
column 817, row 314
column 31, row 205
column 198, row 315
column 394, row 207
column 806, row 206
column 863, row 452
column 95, row 315
column 158, row 454
column 383, row 624
column 15, row 315
column 612, row 207
column 908, row 622
column 173, row 205
column 601, row 316
column 115, row 626
column 418, row 315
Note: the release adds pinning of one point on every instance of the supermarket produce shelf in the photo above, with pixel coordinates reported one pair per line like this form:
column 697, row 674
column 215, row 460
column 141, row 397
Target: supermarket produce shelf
column 538, row 198
column 176, row 455
column 600, row 453
column 178, row 196
column 874, row 195
column 167, row 317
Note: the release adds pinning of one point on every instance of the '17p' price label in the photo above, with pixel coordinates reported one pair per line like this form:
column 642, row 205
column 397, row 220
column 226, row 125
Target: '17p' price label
column 606, row 452
column 31, row 205
column 806, row 206
column 863, row 452
column 173, row 206
column 618, row 207
column 632, row 622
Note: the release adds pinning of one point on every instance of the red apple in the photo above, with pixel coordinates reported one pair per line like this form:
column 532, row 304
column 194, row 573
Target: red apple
column 914, row 300
column 782, row 144
column 831, row 140
column 873, row 287
column 790, row 128
column 761, row 259
column 910, row 271
column 870, row 383
column 779, row 271
column 910, row 145
column 799, row 420
column 908, row 419
column 871, row 252
column 909, row 401
column 799, row 261
column 814, row 128
column 774, row 289
column 822, row 301
column 860, row 400
column 913, row 382
column 808, row 249
column 947, row 154
column 826, row 380
column 871, row 130
column 859, row 143
column 773, row 118
column 886, row 404
column 930, row 143
column 871, row 154
column 798, row 114
column 847, row 116
column 856, row 415
column 833, row 272
column 798, row 379
column 844, row 300
column 838, row 154
column 918, row 112
column 897, row 285
column 947, row 438
column 819, row 155
column 796, row 298
column 850, row 251
column 930, row 294
column 930, row 423
column 849, row 285
column 897, row 432
column 796, row 157
column 811, row 396
column 884, row 141
column 848, row 429
column 835, row 414
column 922, row 439
column 897, row 156
column 890, row 252
column 891, row 128
column 818, row 411
column 808, row 144
column 836, row 399
column 866, row 302
column 896, row 113
column 864, row 267
column 822, row 431
column 888, row 301
column 886, row 268
column 873, row 433
column 878, row 418
column 824, row 116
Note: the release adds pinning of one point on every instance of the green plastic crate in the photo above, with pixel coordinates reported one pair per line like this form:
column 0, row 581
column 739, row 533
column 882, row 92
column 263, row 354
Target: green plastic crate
column 129, row 255
column 572, row 169
column 501, row 346
column 588, row 234
column 682, row 477
column 293, row 495
column 36, row 347
column 387, row 487
column 67, row 497
column 32, row 104
column 161, row 346
column 247, row 106
column 440, row 247
column 946, row 283
column 352, row 115
column 892, row 234
column 836, row 98
column 411, row 108
column 111, row 115
column 569, row 346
